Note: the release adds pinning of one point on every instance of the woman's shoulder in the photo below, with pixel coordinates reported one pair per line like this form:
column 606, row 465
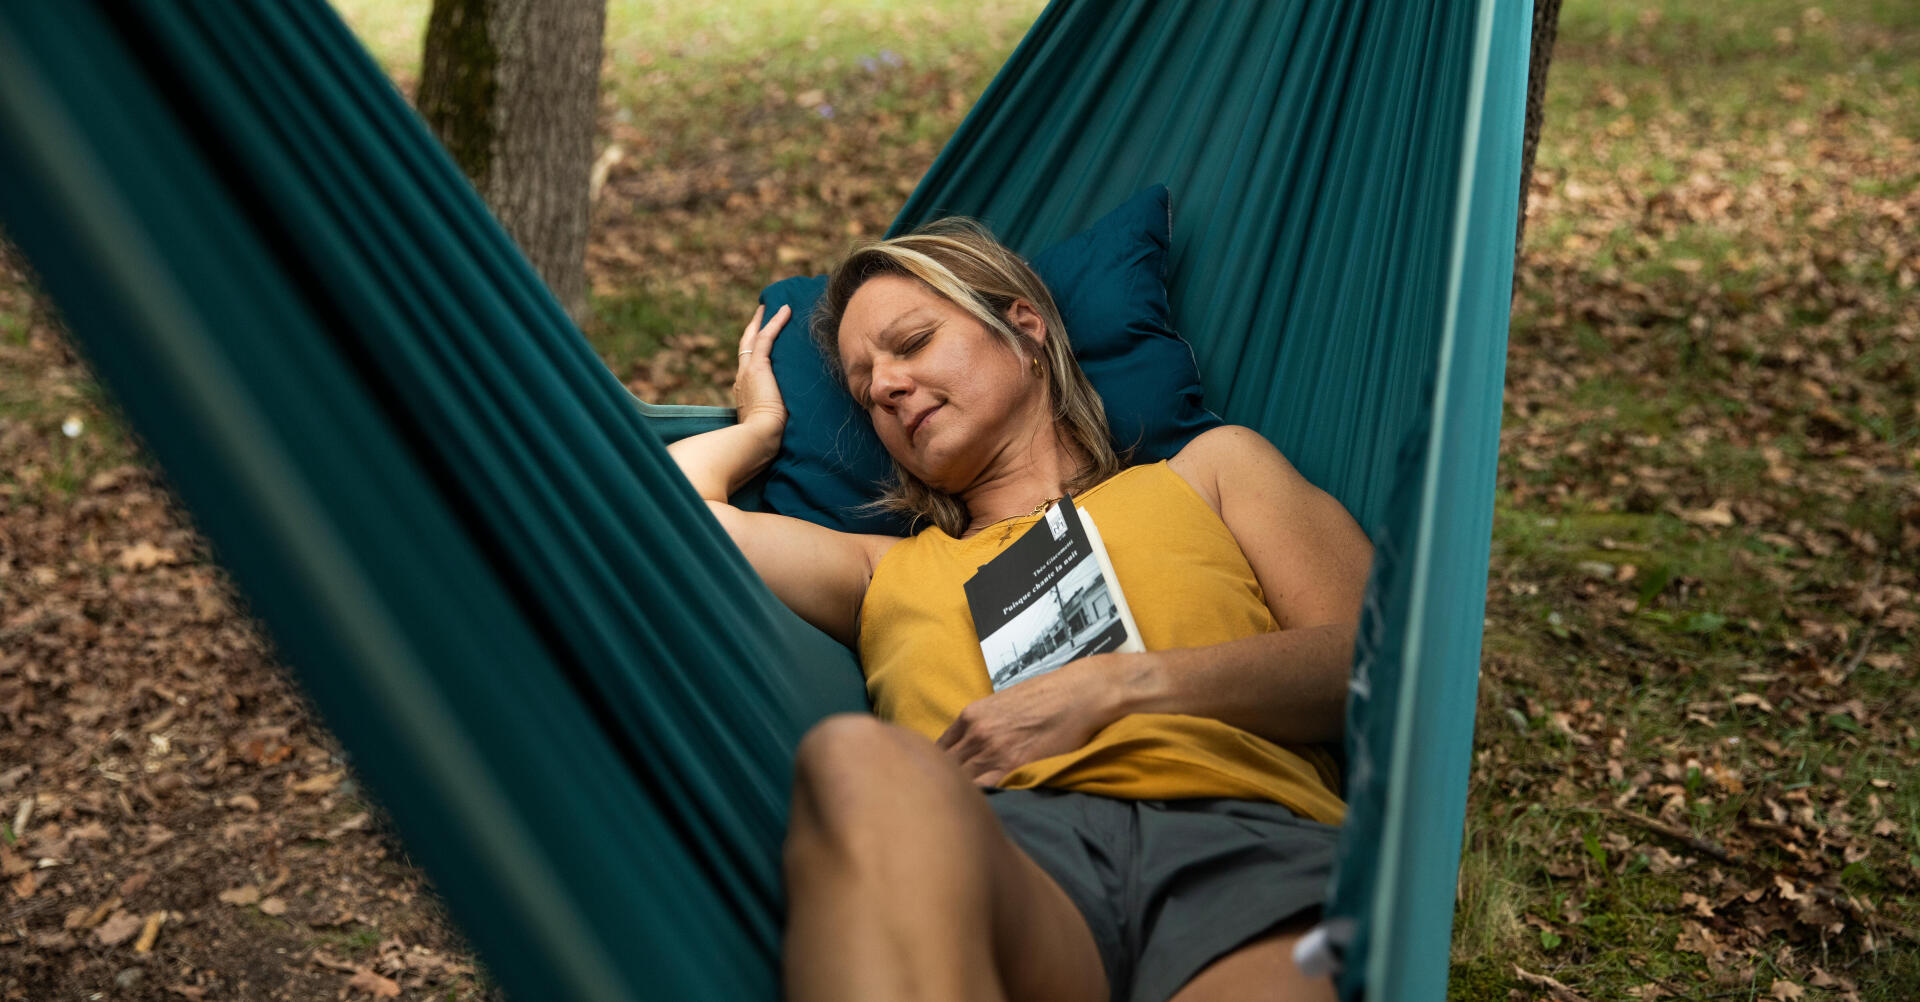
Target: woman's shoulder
column 1225, row 442
column 1223, row 455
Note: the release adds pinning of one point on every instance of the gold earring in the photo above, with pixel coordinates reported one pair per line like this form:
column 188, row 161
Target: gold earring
column 1036, row 366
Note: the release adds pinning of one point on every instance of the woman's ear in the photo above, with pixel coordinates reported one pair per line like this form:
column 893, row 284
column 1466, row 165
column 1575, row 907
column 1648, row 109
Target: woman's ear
column 1027, row 320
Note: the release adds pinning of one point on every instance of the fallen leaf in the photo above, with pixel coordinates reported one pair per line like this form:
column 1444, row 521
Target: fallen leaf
column 149, row 932
column 157, row 836
column 1554, row 988
column 322, row 783
column 277, row 881
column 1720, row 515
column 98, row 914
column 374, row 985
column 145, row 556
column 58, row 941
column 274, row 906
column 118, row 929
column 109, row 479
column 1696, row 938
column 241, row 896
column 1785, row 991
column 353, row 824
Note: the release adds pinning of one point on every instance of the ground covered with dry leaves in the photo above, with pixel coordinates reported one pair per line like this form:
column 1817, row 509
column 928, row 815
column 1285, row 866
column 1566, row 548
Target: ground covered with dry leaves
column 175, row 824
column 1694, row 775
column 1696, row 755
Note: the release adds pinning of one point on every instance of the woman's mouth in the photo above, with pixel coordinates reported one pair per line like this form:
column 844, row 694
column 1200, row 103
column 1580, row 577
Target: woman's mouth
column 913, row 427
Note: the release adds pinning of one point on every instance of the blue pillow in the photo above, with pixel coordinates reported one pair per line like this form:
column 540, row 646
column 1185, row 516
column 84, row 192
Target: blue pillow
column 1110, row 283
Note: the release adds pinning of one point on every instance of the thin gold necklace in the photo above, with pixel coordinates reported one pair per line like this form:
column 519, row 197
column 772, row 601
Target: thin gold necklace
column 1037, row 510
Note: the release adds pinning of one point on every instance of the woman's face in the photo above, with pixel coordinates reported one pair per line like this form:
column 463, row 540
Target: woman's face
column 945, row 394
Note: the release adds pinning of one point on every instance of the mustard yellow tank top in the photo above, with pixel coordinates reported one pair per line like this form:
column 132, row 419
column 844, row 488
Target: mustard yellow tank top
column 1188, row 585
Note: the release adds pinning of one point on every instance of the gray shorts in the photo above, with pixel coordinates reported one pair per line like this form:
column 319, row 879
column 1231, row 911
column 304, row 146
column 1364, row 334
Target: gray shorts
column 1168, row 886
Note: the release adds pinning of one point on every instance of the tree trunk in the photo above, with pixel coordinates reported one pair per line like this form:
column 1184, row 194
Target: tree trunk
column 1546, row 23
column 511, row 87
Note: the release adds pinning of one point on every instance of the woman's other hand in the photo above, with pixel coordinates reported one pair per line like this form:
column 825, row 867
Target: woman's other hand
column 720, row 461
column 756, row 394
column 1041, row 717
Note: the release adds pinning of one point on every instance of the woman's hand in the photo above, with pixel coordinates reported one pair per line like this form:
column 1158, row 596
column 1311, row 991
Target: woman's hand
column 1055, row 713
column 756, row 395
column 720, row 461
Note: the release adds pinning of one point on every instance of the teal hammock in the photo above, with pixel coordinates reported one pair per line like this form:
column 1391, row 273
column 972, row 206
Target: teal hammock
column 569, row 688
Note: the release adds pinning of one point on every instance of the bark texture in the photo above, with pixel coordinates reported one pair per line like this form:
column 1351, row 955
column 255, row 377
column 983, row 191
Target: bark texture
column 1546, row 24
column 511, row 87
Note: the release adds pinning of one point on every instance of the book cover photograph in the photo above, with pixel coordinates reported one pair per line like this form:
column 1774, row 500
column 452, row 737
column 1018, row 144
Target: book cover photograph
column 1049, row 599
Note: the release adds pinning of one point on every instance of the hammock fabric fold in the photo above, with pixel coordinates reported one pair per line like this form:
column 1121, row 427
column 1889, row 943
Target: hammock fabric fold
column 573, row 694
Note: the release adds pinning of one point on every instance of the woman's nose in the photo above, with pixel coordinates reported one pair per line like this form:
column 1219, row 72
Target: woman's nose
column 891, row 380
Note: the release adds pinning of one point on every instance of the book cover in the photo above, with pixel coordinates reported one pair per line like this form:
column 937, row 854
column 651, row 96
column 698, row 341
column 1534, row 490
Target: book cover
column 1048, row 599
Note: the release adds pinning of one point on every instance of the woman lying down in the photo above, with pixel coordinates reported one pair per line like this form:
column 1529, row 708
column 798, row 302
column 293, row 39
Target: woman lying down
column 1150, row 825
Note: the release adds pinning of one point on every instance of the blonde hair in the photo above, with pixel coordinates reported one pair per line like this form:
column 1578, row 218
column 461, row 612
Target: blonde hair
column 960, row 261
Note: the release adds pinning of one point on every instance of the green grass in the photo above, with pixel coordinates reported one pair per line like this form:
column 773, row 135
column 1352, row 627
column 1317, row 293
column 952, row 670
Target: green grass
column 1584, row 648
column 391, row 31
column 630, row 327
column 792, row 37
column 15, row 330
column 65, row 463
column 353, row 942
column 705, row 46
column 1709, row 67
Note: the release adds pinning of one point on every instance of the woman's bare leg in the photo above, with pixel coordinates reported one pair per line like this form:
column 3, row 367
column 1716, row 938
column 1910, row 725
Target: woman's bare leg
column 1262, row 970
column 901, row 884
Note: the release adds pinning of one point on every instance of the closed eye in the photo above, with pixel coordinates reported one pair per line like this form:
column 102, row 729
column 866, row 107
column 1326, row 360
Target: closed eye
column 863, row 377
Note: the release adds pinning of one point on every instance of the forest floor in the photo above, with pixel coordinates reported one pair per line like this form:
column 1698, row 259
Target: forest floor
column 1694, row 772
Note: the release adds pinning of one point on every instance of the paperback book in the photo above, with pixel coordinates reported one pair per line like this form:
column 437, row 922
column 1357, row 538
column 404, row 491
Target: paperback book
column 1048, row 599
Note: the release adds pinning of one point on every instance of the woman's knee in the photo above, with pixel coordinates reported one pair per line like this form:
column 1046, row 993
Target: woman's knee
column 859, row 784
column 843, row 757
column 843, row 741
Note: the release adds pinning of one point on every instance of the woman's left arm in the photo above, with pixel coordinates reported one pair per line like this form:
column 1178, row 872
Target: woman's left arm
column 1311, row 560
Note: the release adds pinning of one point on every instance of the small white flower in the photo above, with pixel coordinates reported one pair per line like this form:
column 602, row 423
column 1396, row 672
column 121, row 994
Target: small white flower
column 73, row 426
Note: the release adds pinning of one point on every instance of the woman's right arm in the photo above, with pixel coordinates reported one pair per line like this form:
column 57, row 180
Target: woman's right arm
column 820, row 574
